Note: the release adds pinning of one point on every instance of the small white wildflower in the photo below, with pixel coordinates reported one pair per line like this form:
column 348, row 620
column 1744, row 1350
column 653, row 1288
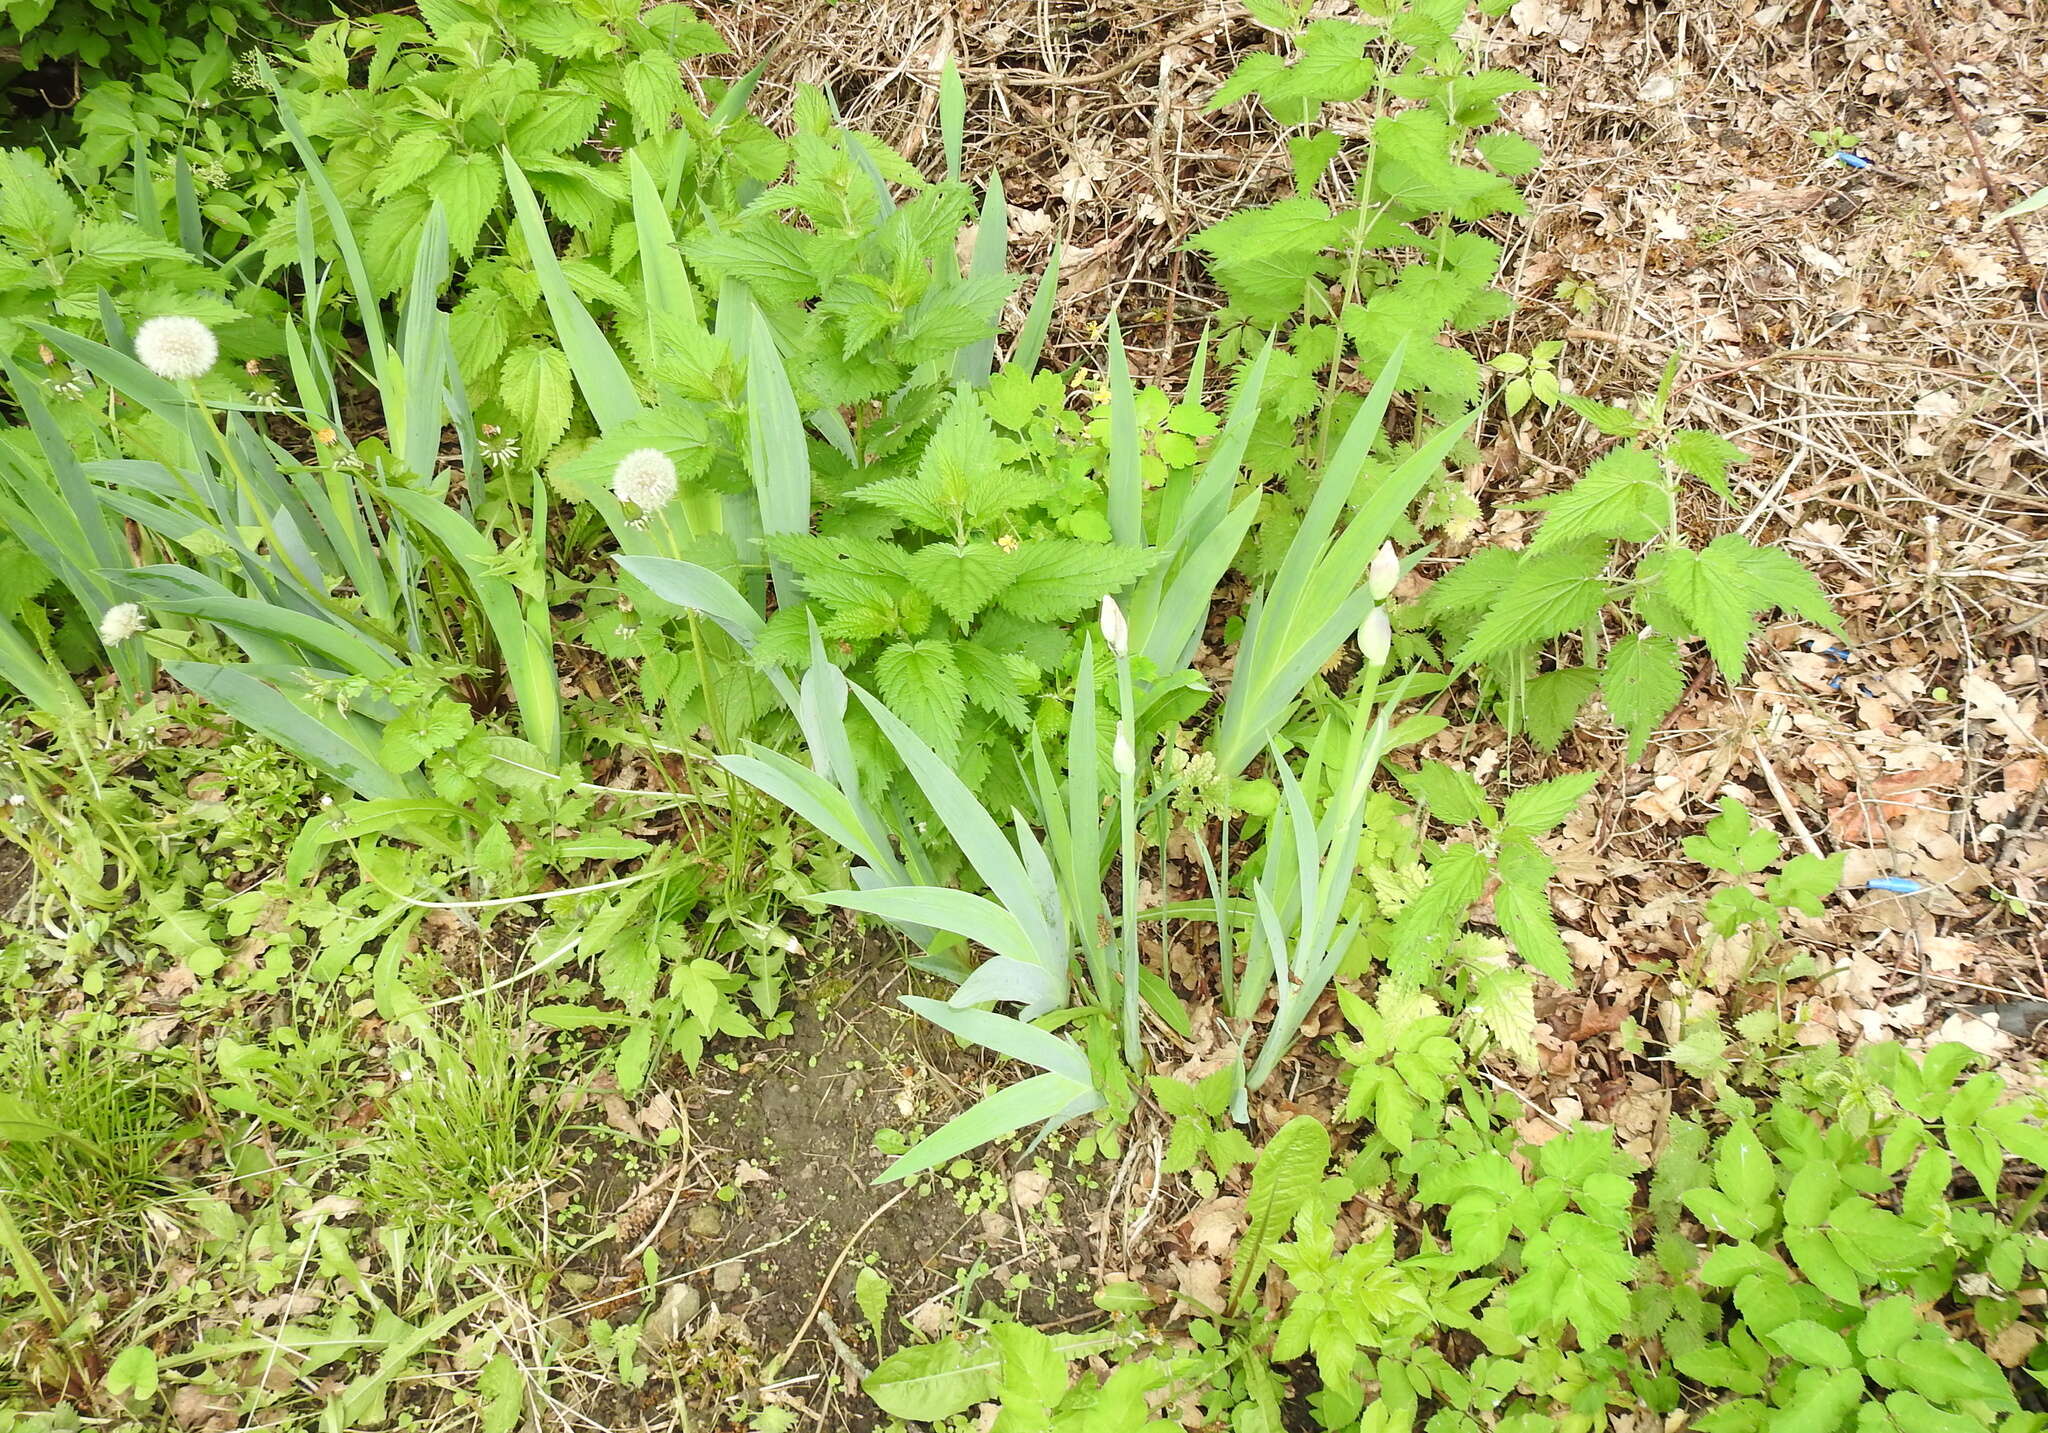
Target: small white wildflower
column 1376, row 636
column 1115, row 630
column 122, row 621
column 645, row 478
column 1121, row 756
column 176, row 348
column 1384, row 572
column 16, row 800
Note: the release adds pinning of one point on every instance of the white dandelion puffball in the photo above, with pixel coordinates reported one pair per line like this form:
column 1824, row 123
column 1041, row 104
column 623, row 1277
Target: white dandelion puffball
column 122, row 621
column 645, row 478
column 176, row 348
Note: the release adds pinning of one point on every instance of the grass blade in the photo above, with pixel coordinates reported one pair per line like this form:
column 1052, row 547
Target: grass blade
column 606, row 387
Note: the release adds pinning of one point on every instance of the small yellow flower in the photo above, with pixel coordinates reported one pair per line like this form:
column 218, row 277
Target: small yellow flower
column 324, row 436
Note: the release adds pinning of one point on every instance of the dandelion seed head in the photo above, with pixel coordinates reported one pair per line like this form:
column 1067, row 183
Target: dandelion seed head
column 122, row 621
column 177, row 348
column 645, row 478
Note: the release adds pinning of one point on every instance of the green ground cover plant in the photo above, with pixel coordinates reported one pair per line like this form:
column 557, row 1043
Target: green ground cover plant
column 491, row 580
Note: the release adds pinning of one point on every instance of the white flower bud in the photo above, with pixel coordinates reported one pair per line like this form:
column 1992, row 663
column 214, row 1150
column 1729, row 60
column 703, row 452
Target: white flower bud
column 1384, row 572
column 1115, row 630
column 645, row 478
column 1376, row 637
column 176, row 348
column 1121, row 756
column 122, row 621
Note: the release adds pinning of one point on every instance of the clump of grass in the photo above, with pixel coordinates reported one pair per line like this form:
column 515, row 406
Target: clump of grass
column 89, row 1132
column 473, row 1141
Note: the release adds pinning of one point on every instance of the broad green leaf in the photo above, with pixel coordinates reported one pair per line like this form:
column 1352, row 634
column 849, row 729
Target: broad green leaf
column 1536, row 809
column 1552, row 593
column 1641, row 683
column 132, row 1375
column 1811, row 1343
column 1552, row 701
column 1042, row 1099
column 921, row 682
column 21, row 1125
column 931, row 1381
column 502, row 1389
column 1744, row 1169
column 1622, row 495
column 975, row 917
column 1446, row 794
column 1289, row 1171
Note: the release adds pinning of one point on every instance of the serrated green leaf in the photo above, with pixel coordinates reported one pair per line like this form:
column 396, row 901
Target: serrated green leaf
column 921, row 682
column 960, row 578
column 1054, row 579
column 1623, row 495
column 1641, row 684
column 1707, row 456
column 1446, row 793
column 1552, row 593
column 533, row 384
column 1552, row 701
column 1536, row 809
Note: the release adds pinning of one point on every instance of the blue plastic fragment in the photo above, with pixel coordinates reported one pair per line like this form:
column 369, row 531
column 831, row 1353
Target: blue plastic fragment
column 1897, row 885
column 1840, row 654
column 1852, row 159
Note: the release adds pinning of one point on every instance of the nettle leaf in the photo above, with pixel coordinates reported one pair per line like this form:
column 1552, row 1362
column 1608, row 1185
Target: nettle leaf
column 1707, row 456
column 1551, row 703
column 1719, row 589
column 1474, row 585
column 1447, row 794
column 557, row 120
column 1266, row 257
column 469, row 187
column 1412, row 166
column 1537, row 809
column 997, row 681
column 412, row 158
column 1613, row 421
column 922, row 683
column 841, row 572
column 1524, row 913
column 1623, row 495
column 534, row 386
column 1642, row 682
column 1508, row 153
column 1053, row 579
column 1553, row 592
column 654, row 91
column 961, row 578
